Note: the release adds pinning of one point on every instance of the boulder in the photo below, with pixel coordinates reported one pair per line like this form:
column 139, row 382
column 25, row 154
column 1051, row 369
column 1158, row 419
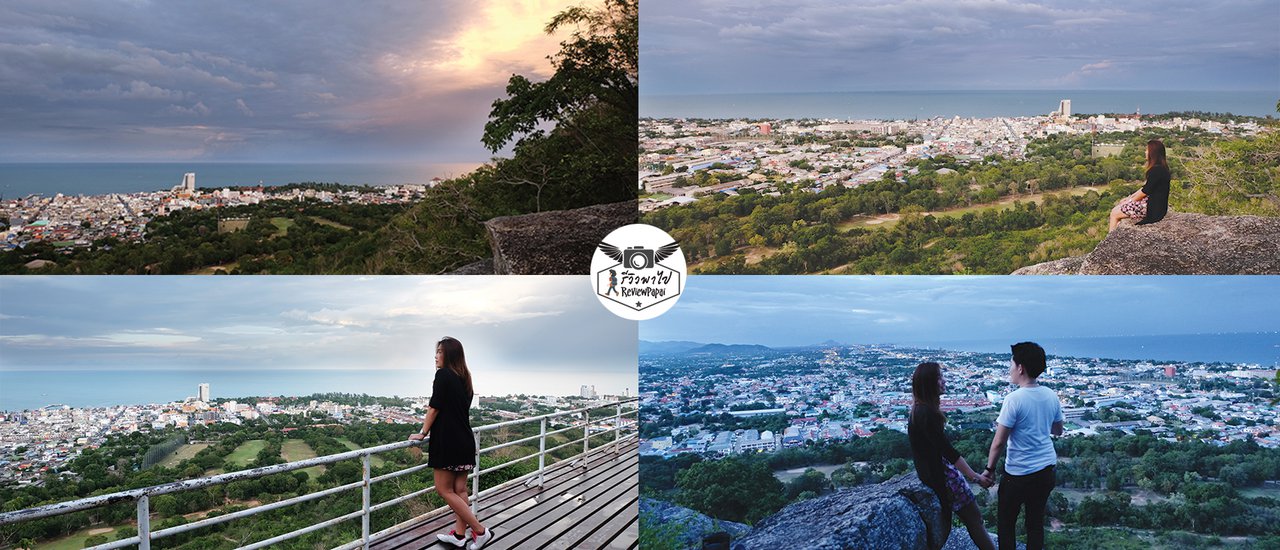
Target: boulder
column 898, row 514
column 1180, row 244
column 560, row 242
column 686, row 526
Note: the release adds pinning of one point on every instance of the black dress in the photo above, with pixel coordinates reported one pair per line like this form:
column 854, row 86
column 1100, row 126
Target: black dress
column 1157, row 190
column 928, row 444
column 451, row 442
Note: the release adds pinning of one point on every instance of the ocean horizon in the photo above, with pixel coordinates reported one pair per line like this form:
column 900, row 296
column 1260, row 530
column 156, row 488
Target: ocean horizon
column 908, row 105
column 32, row 389
column 20, row 179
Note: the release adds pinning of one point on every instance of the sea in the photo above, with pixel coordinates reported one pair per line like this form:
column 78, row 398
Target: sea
column 908, row 105
column 31, row 389
column 1260, row 348
column 48, row 179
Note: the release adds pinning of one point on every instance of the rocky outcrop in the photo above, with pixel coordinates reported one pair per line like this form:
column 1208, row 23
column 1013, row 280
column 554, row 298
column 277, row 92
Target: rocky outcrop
column 554, row 243
column 1180, row 244
column 689, row 527
column 898, row 514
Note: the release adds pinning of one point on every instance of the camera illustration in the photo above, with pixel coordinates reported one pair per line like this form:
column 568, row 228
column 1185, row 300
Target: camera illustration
column 637, row 257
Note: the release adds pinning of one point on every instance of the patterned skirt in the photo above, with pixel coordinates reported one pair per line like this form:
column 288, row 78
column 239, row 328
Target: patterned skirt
column 961, row 495
column 1134, row 209
column 458, row 468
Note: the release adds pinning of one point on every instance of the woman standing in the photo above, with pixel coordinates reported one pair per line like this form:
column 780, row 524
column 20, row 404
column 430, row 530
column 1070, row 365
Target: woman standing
column 1151, row 203
column 451, row 450
column 938, row 464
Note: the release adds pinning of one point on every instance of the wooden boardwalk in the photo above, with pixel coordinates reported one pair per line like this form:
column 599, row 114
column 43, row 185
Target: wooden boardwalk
column 592, row 507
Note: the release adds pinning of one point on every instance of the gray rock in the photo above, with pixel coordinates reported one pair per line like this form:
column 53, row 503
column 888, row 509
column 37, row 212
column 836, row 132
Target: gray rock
column 560, row 242
column 1180, row 244
column 898, row 514
column 482, row 267
column 689, row 525
column 1065, row 266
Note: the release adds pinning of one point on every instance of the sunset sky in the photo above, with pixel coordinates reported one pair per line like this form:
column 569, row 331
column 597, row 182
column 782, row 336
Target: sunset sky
column 293, row 81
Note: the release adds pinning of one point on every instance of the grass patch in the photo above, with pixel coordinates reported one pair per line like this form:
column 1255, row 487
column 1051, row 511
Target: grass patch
column 182, row 453
column 246, row 452
column 282, row 226
column 374, row 460
column 75, row 541
column 1005, row 203
column 330, row 223
column 294, row 450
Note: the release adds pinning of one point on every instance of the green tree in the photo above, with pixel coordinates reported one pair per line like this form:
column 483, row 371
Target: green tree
column 733, row 489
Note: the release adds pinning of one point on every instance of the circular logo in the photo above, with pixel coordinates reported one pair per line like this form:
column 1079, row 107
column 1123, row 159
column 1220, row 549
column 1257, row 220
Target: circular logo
column 638, row 272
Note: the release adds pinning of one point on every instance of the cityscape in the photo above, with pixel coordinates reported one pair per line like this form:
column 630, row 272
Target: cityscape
column 37, row 442
column 77, row 221
column 837, row 393
column 682, row 159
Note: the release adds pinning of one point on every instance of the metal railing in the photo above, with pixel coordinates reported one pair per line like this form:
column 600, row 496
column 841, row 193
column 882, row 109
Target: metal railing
column 143, row 496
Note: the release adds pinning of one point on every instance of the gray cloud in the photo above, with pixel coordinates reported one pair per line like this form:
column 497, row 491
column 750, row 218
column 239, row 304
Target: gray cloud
column 297, row 80
column 718, row 46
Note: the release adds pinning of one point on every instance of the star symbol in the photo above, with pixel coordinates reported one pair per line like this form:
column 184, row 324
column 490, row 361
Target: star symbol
column 638, row 304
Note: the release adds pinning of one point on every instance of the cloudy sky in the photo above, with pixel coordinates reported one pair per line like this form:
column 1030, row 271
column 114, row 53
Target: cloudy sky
column 740, row 46
column 287, row 81
column 519, row 329
column 797, row 311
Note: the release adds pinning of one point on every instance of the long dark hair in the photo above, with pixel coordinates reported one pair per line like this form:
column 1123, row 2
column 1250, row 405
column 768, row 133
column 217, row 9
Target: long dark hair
column 456, row 361
column 1156, row 155
column 924, row 389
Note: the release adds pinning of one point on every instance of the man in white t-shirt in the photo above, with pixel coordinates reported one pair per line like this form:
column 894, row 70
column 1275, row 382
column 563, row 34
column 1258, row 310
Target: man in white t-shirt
column 1027, row 418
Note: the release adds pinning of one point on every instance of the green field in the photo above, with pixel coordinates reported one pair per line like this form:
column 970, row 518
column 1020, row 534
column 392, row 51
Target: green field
column 330, row 223
column 294, row 450
column 246, row 452
column 76, row 540
column 374, row 460
column 182, row 453
column 889, row 220
column 282, row 226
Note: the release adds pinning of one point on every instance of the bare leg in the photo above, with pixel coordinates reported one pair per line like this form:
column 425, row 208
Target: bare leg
column 972, row 519
column 1116, row 216
column 460, row 487
column 458, row 503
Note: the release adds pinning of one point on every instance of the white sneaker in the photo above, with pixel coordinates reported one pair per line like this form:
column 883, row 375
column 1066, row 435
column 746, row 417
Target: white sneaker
column 481, row 540
column 452, row 537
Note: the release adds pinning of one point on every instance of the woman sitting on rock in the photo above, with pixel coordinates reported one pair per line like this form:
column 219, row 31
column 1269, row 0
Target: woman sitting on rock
column 937, row 463
column 1151, row 203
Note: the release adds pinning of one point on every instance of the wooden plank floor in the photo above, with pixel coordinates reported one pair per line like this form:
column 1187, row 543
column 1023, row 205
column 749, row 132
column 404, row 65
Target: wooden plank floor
column 592, row 507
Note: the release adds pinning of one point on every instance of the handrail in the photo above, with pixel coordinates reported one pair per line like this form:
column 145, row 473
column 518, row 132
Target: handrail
column 143, row 495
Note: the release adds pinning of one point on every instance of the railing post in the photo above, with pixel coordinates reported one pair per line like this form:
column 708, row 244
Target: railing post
column 586, row 436
column 144, row 523
column 364, row 496
column 542, row 451
column 617, row 427
column 475, row 479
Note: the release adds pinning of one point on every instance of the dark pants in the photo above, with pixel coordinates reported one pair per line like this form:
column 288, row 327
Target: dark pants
column 1031, row 490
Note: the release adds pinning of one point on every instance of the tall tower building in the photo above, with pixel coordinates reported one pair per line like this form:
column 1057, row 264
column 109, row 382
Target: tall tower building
column 189, row 181
column 204, row 388
column 1064, row 107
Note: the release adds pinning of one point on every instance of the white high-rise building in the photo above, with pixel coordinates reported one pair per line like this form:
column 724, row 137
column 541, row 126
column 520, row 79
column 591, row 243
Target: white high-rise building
column 189, row 181
column 204, row 392
column 588, row 392
column 1064, row 107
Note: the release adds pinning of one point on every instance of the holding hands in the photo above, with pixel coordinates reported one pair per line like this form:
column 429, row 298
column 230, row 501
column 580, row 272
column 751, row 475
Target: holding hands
column 986, row 479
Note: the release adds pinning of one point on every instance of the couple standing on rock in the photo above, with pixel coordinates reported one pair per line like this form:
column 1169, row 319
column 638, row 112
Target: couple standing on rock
column 1027, row 418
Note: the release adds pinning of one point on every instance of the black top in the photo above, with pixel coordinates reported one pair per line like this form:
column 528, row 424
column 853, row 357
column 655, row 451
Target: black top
column 1157, row 191
column 451, row 443
column 929, row 446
